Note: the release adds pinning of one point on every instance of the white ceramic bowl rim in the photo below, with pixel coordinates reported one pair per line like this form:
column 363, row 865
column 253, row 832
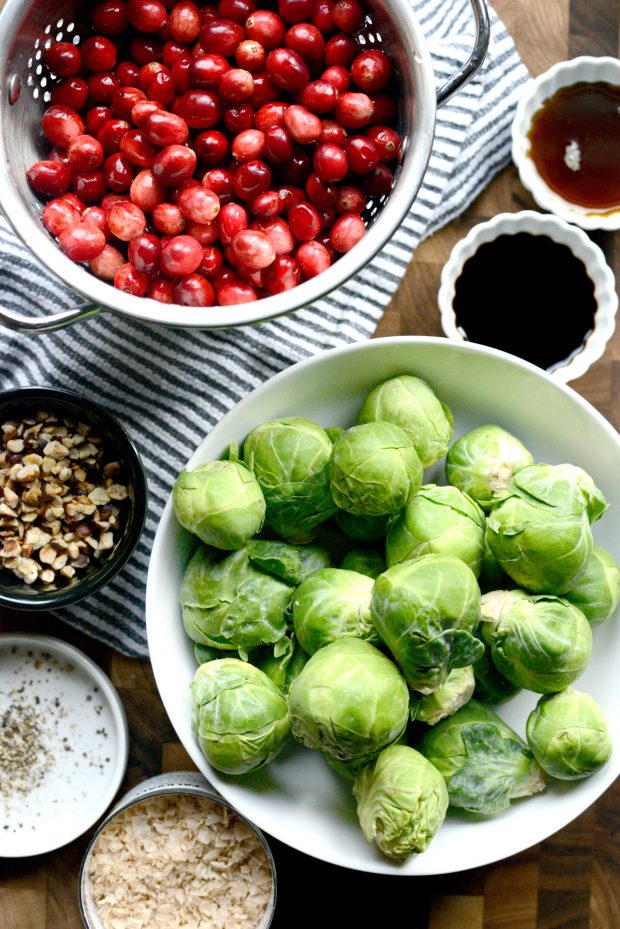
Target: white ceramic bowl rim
column 560, row 231
column 586, row 68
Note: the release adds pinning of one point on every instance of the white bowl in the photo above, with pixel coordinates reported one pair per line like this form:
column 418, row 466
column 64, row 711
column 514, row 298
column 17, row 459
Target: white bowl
column 559, row 231
column 585, row 68
column 298, row 799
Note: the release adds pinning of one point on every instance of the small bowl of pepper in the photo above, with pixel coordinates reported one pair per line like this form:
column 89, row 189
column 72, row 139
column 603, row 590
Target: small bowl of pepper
column 73, row 497
column 565, row 141
column 557, row 304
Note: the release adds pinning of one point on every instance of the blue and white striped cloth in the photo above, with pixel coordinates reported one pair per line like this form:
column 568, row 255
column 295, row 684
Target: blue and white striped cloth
column 170, row 387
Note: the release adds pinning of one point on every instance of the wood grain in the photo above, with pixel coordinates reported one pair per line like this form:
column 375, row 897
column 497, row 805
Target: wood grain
column 570, row 881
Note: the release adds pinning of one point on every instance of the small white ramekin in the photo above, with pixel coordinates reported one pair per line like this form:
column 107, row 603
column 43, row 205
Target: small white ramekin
column 585, row 68
column 565, row 234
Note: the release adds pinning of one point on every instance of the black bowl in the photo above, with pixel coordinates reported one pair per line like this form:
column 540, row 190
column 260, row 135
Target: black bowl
column 22, row 401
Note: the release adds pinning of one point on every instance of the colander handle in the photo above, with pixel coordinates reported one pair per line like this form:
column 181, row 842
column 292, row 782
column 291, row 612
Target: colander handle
column 38, row 325
column 475, row 60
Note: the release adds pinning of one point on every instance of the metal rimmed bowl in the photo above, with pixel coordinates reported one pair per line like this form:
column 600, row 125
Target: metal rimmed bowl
column 28, row 26
column 26, row 401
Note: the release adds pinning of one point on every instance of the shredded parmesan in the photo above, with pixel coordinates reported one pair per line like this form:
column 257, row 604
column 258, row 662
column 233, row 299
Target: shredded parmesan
column 179, row 862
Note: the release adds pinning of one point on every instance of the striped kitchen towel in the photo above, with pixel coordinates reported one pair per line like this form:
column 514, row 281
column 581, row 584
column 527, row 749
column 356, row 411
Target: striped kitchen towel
column 170, row 387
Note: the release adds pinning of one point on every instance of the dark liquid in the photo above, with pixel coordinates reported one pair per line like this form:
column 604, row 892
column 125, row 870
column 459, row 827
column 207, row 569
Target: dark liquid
column 585, row 116
column 527, row 295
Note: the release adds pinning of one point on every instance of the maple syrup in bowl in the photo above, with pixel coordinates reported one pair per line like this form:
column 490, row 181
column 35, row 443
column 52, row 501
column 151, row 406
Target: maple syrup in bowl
column 565, row 140
column 534, row 286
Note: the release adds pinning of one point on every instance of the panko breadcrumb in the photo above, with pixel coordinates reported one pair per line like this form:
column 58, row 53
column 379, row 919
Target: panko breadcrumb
column 179, row 862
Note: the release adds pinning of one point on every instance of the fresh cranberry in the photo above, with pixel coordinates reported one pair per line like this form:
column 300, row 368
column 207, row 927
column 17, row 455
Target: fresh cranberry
column 193, row 290
column 354, row 110
column 266, row 27
column 212, row 261
column 283, row 274
column 162, row 88
column 306, row 40
column 350, row 199
column 173, row 52
column 251, row 55
column 82, row 242
column 89, row 186
column 199, row 108
column 142, row 110
column 340, row 50
column 111, row 133
column 362, row 154
column 298, row 169
column 332, row 132
column 63, row 58
column 127, row 72
column 323, row 17
column 220, row 182
column 252, row 249
column 304, row 221
column 251, row 179
column 248, row 145
column 74, row 201
column 236, row 85
column 118, row 172
column 126, row 220
column 290, row 196
column 145, row 252
column 180, row 255
column 330, row 162
column 239, row 118
column 313, row 258
column 168, row 218
column 270, row 114
column 387, row 142
column 161, row 289
column 232, row 219
column 72, row 92
column 279, row 234
column 211, row 146
column 204, row 233
column 322, row 195
column 59, row 215
column 295, row 11
column 198, row 204
column 108, row 200
column 85, row 153
column 234, row 292
column 287, row 69
column 320, row 96
column 109, row 17
column 146, row 15
column 184, row 21
column 96, row 118
column 124, row 99
column 181, row 72
column 164, row 129
column 131, row 281
column 265, row 91
column 221, row 36
column 145, row 48
column 371, row 70
column 207, row 71
column 379, row 182
column 147, row 191
column 98, row 53
column 346, row 232
column 148, row 72
column 106, row 264
column 237, row 10
column 98, row 217
column 305, row 127
column 267, row 205
column 174, row 164
column 137, row 150
column 348, row 15
column 61, row 125
column 102, row 86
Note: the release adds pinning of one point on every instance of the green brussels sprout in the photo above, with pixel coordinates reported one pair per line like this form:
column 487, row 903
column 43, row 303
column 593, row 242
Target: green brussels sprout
column 539, row 642
column 540, row 533
column 284, row 668
column 330, row 604
column 483, row 761
column 482, row 462
column 229, row 603
column 220, row 502
column 445, row 699
column 583, row 485
column 491, row 686
column 492, row 576
column 426, row 612
column 409, row 402
column 290, row 459
column 238, row 716
column 440, row 520
column 375, row 470
column 597, row 589
column 290, row 563
column 334, row 432
column 349, row 700
column 364, row 560
column 362, row 528
column 401, row 801
column 204, row 653
column 568, row 735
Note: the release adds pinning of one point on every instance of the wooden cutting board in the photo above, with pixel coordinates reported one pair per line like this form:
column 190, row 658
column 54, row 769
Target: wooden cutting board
column 571, row 881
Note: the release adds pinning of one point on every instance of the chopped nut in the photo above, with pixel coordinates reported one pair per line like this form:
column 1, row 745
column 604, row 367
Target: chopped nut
column 67, row 571
column 6, row 511
column 116, row 492
column 15, row 445
column 47, row 576
column 32, row 458
column 27, row 569
column 47, row 555
column 55, row 449
column 26, row 473
column 106, row 541
column 37, row 537
column 92, row 541
column 59, row 562
column 98, row 496
column 10, row 497
column 10, row 549
column 47, row 464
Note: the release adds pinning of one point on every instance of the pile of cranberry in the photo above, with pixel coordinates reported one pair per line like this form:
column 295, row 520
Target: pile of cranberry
column 215, row 154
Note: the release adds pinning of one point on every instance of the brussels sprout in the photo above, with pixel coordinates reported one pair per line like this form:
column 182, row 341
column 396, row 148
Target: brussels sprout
column 445, row 699
column 542, row 643
column 492, row 576
column 597, row 590
column 540, row 533
column 220, row 502
column 282, row 669
column 349, row 700
column 491, row 686
column 441, row 520
column 229, row 603
column 401, row 801
column 362, row 528
column 483, row 761
column 409, row 402
column 290, row 459
column 426, row 612
column 238, row 715
column 482, row 462
column 334, row 432
column 545, row 476
column 204, row 653
column 330, row 604
column 290, row 563
column 364, row 560
column 568, row 735
column 375, row 470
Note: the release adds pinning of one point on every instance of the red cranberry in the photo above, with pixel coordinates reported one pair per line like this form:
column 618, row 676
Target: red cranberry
column 251, row 55
column 237, row 10
column 348, row 15
column 108, row 200
column 332, row 132
column 98, row 217
column 362, row 154
column 220, row 182
column 221, row 36
column 304, row 221
column 199, row 108
column 239, row 118
column 85, row 153
column 72, row 92
column 164, row 129
column 330, row 162
column 204, row 233
column 320, row 194
column 211, row 146
column 102, row 86
column 63, row 58
column 287, row 69
column 146, row 15
column 106, row 264
column 74, row 201
column 212, row 261
column 131, row 281
column 193, row 290
column 252, row 249
column 181, row 72
column 124, row 100
column 109, row 17
column 371, row 70
column 313, row 258
column 96, row 118
column 168, row 218
column 82, row 242
column 251, row 179
column 283, row 274
column 161, row 290
column 98, row 53
column 306, row 40
column 232, row 219
column 305, row 127
column 379, row 182
column 61, row 125
column 236, row 86
column 295, row 11
column 126, row 221
column 266, row 27
column 147, row 191
column 248, row 145
column 173, row 52
column 350, row 199
column 162, row 89
column 234, row 292
column 338, row 77
column 298, row 169
column 148, row 72
column 271, row 114
column 290, row 196
column 184, row 21
column 323, row 17
column 90, row 186
column 319, row 96
column 174, row 164
column 118, row 172
column 340, row 50
column 267, row 205
column 142, row 110
column 111, row 133
column 127, row 72
column 279, row 234
column 265, row 91
column 145, row 252
column 354, row 110
column 59, row 215
column 198, row 204
column 346, row 232
column 387, row 142
column 207, row 71
column 180, row 255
